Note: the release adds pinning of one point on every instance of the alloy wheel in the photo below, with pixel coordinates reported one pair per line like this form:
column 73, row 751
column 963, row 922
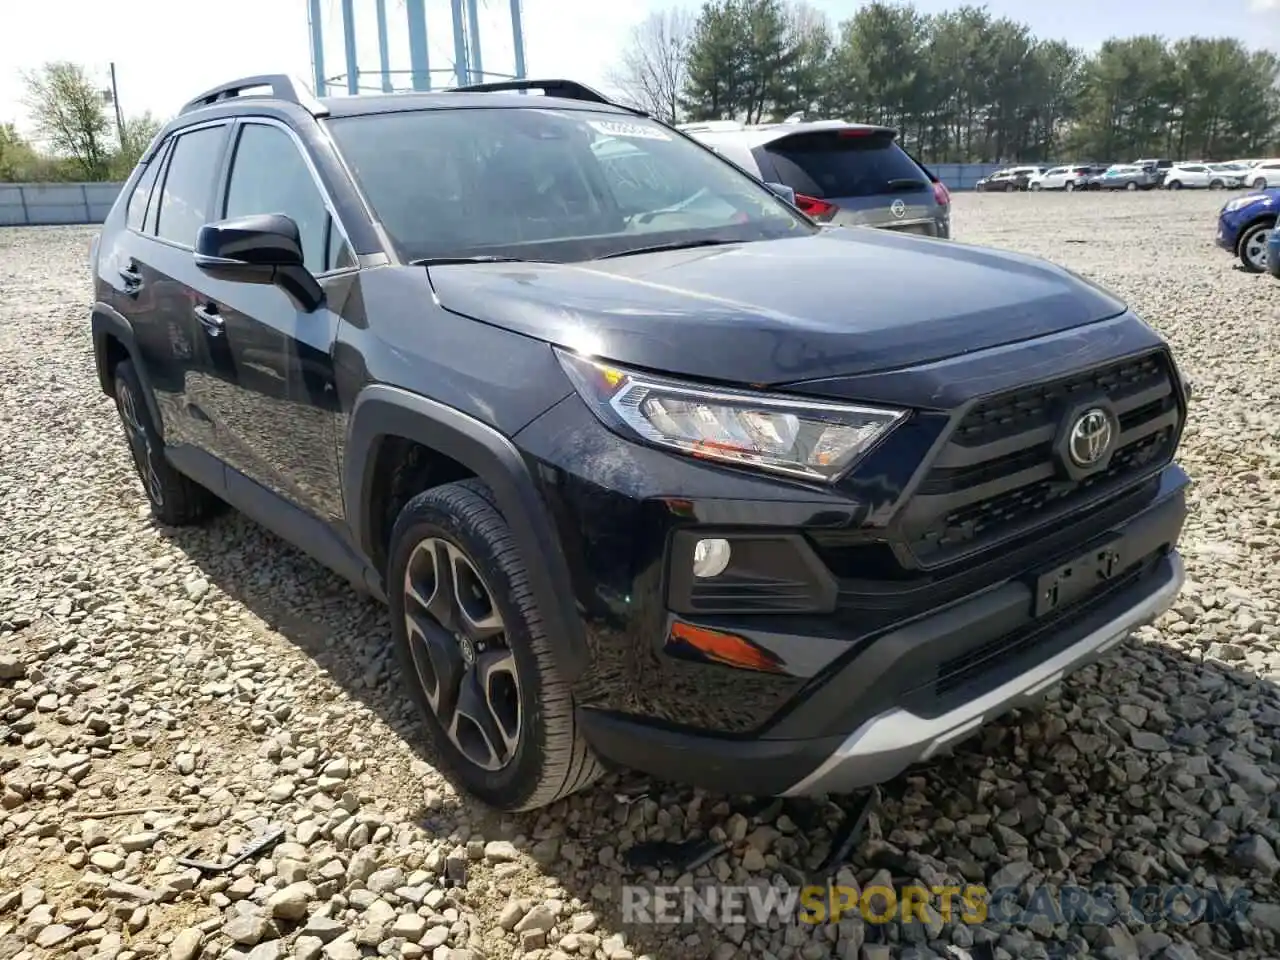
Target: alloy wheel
column 139, row 444
column 457, row 639
column 1255, row 248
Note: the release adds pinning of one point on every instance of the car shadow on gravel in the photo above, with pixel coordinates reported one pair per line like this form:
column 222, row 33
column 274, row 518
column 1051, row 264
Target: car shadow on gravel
column 1097, row 744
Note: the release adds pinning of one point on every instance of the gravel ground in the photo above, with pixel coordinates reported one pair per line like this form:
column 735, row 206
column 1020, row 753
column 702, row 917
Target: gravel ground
column 164, row 689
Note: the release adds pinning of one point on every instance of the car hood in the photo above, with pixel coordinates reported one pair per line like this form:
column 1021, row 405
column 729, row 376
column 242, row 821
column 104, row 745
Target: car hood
column 842, row 301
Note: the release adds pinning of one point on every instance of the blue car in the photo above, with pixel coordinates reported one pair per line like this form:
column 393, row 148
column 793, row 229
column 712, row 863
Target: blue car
column 1245, row 224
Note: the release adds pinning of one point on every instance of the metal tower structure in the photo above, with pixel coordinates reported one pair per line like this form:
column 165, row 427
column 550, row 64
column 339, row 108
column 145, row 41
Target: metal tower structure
column 467, row 66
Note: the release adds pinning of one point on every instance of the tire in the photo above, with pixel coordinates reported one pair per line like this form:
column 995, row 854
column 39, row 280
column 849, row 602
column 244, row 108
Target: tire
column 1216, row 184
column 1252, row 246
column 1034, row 188
column 1260, row 183
column 457, row 527
column 1174, row 185
column 176, row 500
column 1131, row 185
column 1070, row 186
column 1008, row 188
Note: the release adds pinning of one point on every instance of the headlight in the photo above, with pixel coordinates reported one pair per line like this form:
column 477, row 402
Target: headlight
column 1239, row 202
column 811, row 439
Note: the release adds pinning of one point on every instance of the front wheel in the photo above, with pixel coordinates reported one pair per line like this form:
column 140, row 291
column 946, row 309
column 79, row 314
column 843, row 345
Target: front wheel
column 1174, row 185
column 1070, row 187
column 1008, row 188
column 1260, row 183
column 1253, row 246
column 1035, row 187
column 472, row 648
column 1131, row 185
column 1216, row 184
column 175, row 499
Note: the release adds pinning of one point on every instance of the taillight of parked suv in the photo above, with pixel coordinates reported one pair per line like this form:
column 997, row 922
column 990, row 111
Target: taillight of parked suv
column 819, row 210
column 941, row 193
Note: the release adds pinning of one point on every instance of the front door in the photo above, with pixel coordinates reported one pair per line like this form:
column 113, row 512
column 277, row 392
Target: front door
column 276, row 403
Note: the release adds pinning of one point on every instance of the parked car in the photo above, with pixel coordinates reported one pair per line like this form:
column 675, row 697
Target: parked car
column 1125, row 176
column 1264, row 174
column 1062, row 178
column 1233, row 173
column 1157, row 166
column 1007, row 180
column 706, row 490
column 1203, row 175
column 1245, row 225
column 847, row 174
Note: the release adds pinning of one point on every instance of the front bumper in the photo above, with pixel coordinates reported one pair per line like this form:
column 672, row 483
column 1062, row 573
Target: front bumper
column 897, row 738
column 1227, row 234
column 925, row 685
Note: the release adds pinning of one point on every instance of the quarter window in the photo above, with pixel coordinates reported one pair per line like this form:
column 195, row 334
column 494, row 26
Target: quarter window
column 188, row 186
column 269, row 175
column 142, row 191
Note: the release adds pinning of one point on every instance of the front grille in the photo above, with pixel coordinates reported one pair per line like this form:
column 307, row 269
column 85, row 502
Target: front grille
column 997, row 476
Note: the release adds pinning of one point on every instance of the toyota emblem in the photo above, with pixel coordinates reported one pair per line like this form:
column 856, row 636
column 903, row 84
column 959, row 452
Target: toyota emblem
column 898, row 209
column 1090, row 437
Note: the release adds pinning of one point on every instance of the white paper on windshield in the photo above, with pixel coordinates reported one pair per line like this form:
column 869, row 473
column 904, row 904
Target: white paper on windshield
column 620, row 128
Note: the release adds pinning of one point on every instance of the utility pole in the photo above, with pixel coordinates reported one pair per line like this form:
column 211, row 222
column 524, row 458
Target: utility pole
column 115, row 102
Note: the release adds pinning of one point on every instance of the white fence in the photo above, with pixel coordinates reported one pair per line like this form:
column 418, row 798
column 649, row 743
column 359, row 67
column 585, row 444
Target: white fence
column 31, row 204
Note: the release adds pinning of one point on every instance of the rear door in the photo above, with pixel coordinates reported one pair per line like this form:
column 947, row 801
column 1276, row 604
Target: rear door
column 158, row 271
column 863, row 172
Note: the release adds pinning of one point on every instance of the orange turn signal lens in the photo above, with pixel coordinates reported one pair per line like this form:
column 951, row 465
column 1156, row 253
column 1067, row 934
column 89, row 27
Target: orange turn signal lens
column 726, row 648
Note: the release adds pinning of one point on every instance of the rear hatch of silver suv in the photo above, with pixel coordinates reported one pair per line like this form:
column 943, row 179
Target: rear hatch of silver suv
column 857, row 175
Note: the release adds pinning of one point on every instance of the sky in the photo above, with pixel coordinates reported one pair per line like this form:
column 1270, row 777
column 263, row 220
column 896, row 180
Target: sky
column 166, row 51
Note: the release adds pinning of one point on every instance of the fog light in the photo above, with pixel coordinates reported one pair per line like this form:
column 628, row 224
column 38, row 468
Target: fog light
column 710, row 557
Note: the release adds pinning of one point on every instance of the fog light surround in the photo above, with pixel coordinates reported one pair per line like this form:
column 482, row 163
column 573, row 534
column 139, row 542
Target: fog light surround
column 711, row 557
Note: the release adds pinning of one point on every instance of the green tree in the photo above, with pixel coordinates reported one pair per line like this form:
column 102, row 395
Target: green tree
column 716, row 85
column 17, row 158
column 964, row 86
column 139, row 131
column 67, row 110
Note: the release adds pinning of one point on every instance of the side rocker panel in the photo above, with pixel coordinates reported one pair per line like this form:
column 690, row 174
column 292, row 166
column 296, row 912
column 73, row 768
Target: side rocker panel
column 382, row 411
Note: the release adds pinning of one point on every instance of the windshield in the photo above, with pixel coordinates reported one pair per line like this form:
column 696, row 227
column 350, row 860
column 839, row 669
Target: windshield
column 549, row 184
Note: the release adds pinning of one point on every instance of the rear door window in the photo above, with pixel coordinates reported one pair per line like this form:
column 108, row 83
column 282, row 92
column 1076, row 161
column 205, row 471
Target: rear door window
column 841, row 163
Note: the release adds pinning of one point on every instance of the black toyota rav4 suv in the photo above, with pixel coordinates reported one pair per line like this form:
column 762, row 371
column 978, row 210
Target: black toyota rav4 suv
column 652, row 470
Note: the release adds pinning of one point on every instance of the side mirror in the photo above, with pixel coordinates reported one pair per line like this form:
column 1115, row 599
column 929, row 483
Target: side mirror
column 261, row 248
column 785, row 192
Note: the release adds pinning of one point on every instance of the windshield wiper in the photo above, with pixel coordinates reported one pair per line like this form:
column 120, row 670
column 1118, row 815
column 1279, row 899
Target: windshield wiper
column 903, row 183
column 479, row 258
column 658, row 247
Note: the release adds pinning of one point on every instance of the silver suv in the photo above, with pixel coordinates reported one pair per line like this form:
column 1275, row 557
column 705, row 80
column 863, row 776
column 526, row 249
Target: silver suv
column 852, row 174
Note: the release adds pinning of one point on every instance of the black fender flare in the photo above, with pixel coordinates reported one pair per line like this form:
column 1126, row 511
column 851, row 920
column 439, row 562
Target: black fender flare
column 107, row 323
column 384, row 411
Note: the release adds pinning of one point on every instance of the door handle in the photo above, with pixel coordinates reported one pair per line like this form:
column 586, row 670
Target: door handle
column 130, row 275
column 208, row 315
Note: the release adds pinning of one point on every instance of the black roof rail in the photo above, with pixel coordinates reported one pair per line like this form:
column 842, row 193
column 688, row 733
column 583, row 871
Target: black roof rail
column 282, row 87
column 564, row 89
